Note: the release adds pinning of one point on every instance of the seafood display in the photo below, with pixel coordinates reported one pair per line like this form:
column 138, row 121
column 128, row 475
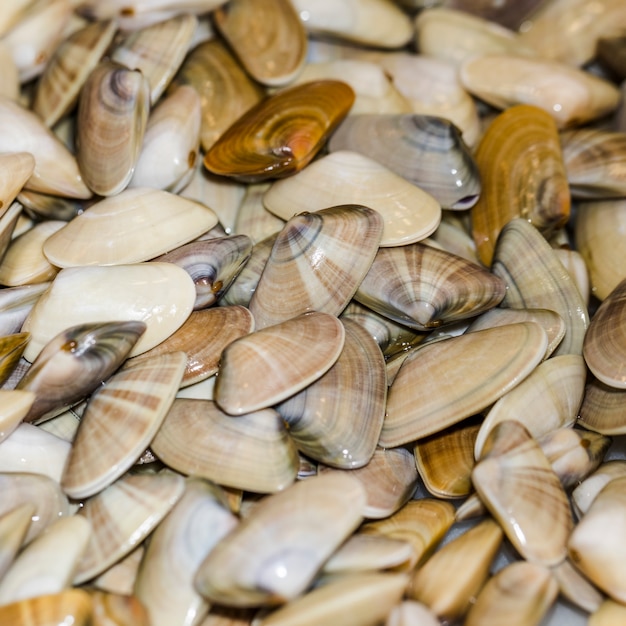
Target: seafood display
column 312, row 312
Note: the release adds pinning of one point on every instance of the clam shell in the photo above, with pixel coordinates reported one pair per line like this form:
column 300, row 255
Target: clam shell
column 70, row 604
column 515, row 481
column 540, row 281
column 118, row 609
column 224, row 88
column 159, row 294
column 571, row 96
column 111, row 121
column 513, row 186
column 519, row 593
column 253, row 452
column 272, row 51
column 157, row 51
column 316, row 263
column 141, row 9
column 428, row 151
column 122, row 516
column 75, row 363
column 609, row 613
column 602, row 409
column 280, row 135
column 68, row 69
column 13, row 527
column 584, row 494
column 15, row 405
column 274, row 554
column 411, row 613
column 8, row 221
column 15, row 169
column 604, row 347
column 576, row 588
column 9, row 76
column 423, row 288
column 489, row 363
column 56, row 170
column 281, row 350
column 120, row 421
column 346, row 177
column 11, row 349
column 337, row 419
column 120, row 578
column 41, row 206
column 253, row 219
column 547, row 400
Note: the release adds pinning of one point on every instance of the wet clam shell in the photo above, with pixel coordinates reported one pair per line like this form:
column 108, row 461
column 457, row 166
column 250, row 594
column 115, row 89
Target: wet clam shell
column 316, row 263
column 244, row 382
column 159, row 294
column 111, row 122
column 428, row 151
column 489, row 363
column 252, row 452
column 281, row 134
column 346, row 177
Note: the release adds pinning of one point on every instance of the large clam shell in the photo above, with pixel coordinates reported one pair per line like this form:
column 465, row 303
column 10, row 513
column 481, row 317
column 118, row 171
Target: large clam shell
column 281, row 134
column 253, row 452
column 159, row 294
column 244, row 382
column 346, row 177
column 423, row 400
column 274, row 554
column 428, row 151
column 112, row 115
column 523, row 175
column 316, row 264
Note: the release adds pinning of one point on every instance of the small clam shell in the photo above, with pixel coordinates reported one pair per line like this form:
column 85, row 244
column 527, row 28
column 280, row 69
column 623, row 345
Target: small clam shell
column 357, row 600
column 570, row 95
column 68, row 69
column 423, row 288
column 203, row 337
column 604, row 347
column 584, row 494
column 516, row 140
column 11, row 349
column 15, row 304
column 316, row 264
column 56, row 170
column 13, row 527
column 428, row 151
column 517, row 484
column 47, row 564
column 122, row 516
column 451, row 579
column 159, row 294
column 213, row 264
column 274, row 554
column 321, row 418
column 602, row 409
column 273, row 51
column 224, row 88
column 279, row 350
column 281, row 134
column 547, row 400
column 112, row 115
column 120, row 421
column 520, row 593
column 370, row 22
column 389, row 480
column 177, row 547
column 253, row 452
column 346, row 177
column 540, row 281
column 594, row 547
column 15, row 169
column 157, row 51
column 70, row 604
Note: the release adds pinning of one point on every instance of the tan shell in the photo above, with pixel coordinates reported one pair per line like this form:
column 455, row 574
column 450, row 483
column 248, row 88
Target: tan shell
column 253, row 219
column 73, row 604
column 120, row 578
column 15, row 169
column 584, row 494
column 602, row 409
column 13, row 527
column 576, row 588
column 15, row 405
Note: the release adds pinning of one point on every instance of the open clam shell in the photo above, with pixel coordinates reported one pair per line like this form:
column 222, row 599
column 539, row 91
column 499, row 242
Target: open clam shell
column 316, row 263
column 346, row 177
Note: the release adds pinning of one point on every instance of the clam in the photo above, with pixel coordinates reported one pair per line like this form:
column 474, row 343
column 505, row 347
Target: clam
column 280, row 135
column 346, row 177
column 317, row 263
column 252, row 452
column 411, row 613
column 609, row 613
column 125, row 610
column 13, row 527
column 120, row 577
column 95, row 10
column 15, row 169
column 9, row 76
column 11, row 349
column 253, row 219
column 42, row 206
column 576, row 588
column 585, row 494
column 15, row 405
column 268, row 38
column 523, row 175
column 111, row 122
column 8, row 222
column 120, row 421
column 428, row 151
column 69, row 604
column 159, row 294
column 602, row 409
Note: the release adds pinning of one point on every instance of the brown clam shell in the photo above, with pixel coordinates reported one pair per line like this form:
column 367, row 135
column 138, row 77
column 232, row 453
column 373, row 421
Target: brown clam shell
column 69, row 606
column 281, row 134
column 603, row 409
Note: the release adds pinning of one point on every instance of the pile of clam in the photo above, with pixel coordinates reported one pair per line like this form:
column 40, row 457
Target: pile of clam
column 312, row 312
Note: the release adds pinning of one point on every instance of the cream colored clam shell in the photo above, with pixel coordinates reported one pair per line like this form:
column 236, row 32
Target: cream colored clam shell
column 135, row 225
column 159, row 294
column 344, row 177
